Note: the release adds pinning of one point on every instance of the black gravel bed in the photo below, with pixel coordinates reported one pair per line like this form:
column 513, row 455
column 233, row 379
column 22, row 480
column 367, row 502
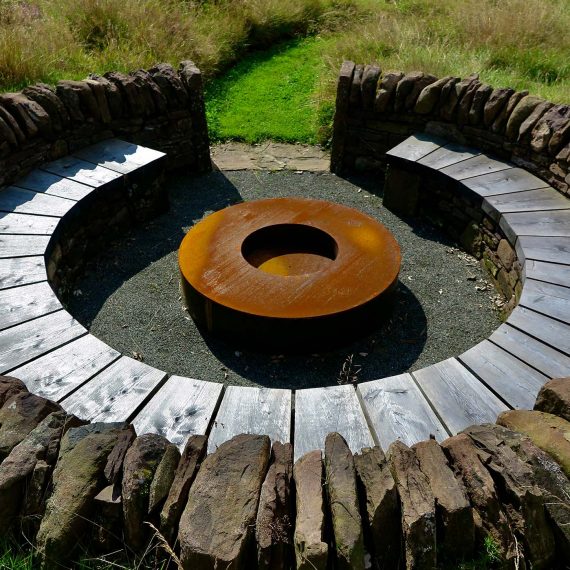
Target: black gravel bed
column 129, row 297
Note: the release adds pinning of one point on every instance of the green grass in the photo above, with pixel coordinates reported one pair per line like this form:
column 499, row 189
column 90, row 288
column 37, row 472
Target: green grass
column 269, row 95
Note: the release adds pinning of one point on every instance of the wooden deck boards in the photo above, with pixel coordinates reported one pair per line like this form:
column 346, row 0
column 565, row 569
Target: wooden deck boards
column 24, row 224
column 22, row 201
column 21, row 304
column 398, row 410
column 261, row 411
column 319, row 411
column 25, row 342
column 182, row 407
column 116, row 393
column 516, row 382
column 54, row 185
column 459, row 398
column 17, row 271
column 63, row 370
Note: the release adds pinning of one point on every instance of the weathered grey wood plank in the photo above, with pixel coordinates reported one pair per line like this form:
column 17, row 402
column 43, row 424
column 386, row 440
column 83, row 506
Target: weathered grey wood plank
column 25, row 342
column 21, row 201
column 398, row 410
column 551, row 249
column 82, row 171
column 18, row 271
column 21, row 304
column 116, row 393
column 516, row 382
column 22, row 246
column 181, row 408
column 548, row 299
column 448, row 155
column 546, row 224
column 504, row 182
column 549, row 331
column 544, row 199
column 458, row 397
column 319, row 411
column 54, row 185
column 476, row 166
column 417, row 146
column 549, row 361
column 262, row 411
column 57, row 373
column 119, row 155
column 22, row 224
column 549, row 272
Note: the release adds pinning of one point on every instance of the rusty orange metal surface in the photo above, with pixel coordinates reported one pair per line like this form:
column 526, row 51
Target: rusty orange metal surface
column 286, row 259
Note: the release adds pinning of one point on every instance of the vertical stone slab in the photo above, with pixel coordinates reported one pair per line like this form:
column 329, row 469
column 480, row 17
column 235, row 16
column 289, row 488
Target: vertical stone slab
column 343, row 88
column 455, row 524
column 311, row 548
column 418, row 508
column 490, row 519
column 141, row 462
column 343, row 499
column 217, row 524
column 382, row 503
column 192, row 456
column 274, row 525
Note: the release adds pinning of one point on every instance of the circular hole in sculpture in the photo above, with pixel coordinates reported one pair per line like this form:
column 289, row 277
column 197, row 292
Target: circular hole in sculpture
column 289, row 249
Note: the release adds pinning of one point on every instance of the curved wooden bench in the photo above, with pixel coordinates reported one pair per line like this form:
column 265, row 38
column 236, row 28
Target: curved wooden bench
column 56, row 357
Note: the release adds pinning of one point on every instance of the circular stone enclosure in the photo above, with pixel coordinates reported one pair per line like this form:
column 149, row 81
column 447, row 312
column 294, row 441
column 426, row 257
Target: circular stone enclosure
column 288, row 273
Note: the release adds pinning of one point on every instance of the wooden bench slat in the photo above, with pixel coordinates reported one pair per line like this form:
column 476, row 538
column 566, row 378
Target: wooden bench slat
column 506, row 181
column 119, row 155
column 548, row 330
column 25, row 342
column 544, row 199
column 417, row 146
column 21, row 201
column 476, row 166
column 517, row 383
column 182, row 407
column 398, row 410
column 116, row 393
column 12, row 246
column 448, row 155
column 262, row 411
column 319, row 411
column 459, row 398
column 549, row 361
column 549, row 272
column 18, row 271
column 551, row 249
column 24, row 224
column 547, row 224
column 546, row 298
column 21, row 304
column 82, row 171
column 55, row 374
column 54, row 185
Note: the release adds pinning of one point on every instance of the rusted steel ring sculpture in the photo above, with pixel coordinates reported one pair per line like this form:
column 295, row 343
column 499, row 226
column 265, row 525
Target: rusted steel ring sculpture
column 288, row 273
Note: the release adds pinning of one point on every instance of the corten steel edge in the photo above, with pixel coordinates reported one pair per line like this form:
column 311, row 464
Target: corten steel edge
column 288, row 273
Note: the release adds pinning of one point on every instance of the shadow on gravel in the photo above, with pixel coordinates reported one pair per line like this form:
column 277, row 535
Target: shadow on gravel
column 389, row 350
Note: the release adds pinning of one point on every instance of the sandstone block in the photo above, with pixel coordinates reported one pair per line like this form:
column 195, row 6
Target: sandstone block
column 554, row 398
column 386, row 92
column 163, row 478
column 9, row 387
column 382, row 506
column 418, row 507
column 216, row 532
column 343, row 498
column 274, row 525
column 193, row 454
column 311, row 548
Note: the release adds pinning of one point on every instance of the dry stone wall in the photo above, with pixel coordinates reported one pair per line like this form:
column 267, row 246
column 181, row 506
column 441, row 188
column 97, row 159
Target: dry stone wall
column 245, row 506
column 162, row 108
column 375, row 111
